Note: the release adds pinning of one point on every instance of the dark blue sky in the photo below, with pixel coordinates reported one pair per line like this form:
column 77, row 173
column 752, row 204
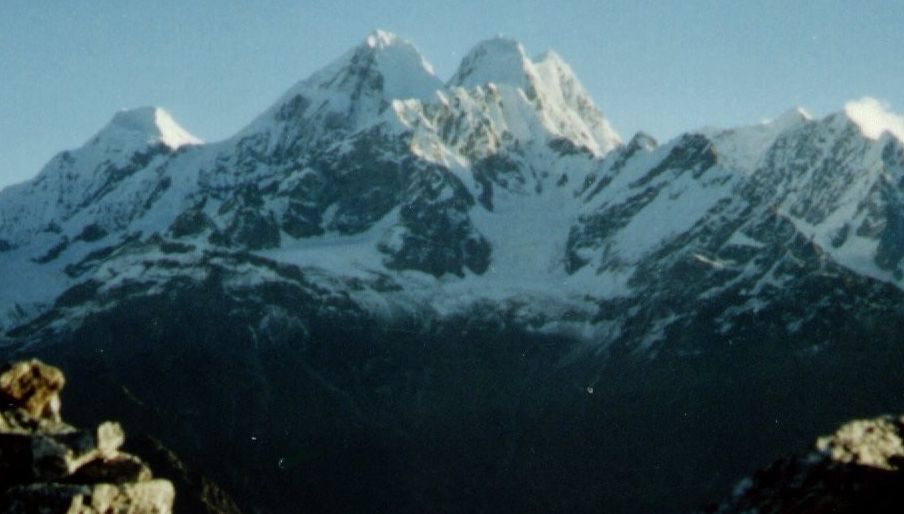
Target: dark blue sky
column 663, row 67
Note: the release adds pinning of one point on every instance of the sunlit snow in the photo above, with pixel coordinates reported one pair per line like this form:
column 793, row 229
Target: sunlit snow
column 875, row 117
column 142, row 126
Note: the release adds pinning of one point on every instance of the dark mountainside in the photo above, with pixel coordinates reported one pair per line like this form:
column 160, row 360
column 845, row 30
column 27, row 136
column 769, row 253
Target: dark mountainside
column 390, row 294
column 471, row 416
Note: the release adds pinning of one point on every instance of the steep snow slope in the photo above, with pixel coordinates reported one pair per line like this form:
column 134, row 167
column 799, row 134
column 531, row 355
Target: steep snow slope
column 127, row 148
column 557, row 100
column 347, row 95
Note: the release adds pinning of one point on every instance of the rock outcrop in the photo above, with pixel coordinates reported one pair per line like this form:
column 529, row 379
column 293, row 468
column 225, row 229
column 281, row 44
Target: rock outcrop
column 198, row 494
column 48, row 466
column 857, row 470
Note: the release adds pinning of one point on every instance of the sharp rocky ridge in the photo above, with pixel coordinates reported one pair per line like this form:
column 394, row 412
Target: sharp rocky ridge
column 376, row 180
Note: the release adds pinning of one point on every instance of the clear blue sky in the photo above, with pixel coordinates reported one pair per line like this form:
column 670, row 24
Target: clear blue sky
column 664, row 67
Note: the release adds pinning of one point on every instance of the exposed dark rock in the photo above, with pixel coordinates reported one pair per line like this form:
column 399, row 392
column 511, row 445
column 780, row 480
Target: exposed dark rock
column 54, row 251
column 254, row 229
column 695, row 153
column 565, row 146
column 436, row 236
column 190, row 223
column 91, row 233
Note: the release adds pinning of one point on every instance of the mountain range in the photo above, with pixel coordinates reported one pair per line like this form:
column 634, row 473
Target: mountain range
column 422, row 267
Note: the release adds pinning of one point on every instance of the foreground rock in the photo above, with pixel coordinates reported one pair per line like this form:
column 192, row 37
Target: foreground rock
column 197, row 493
column 857, row 470
column 48, row 466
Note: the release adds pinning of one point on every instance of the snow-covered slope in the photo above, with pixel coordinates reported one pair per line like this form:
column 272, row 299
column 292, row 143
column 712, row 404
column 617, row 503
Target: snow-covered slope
column 874, row 118
column 348, row 95
column 131, row 144
column 504, row 185
column 81, row 200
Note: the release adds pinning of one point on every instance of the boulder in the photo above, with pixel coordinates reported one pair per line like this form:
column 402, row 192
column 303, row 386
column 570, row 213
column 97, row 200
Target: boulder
column 48, row 466
column 857, row 470
column 34, row 387
column 148, row 497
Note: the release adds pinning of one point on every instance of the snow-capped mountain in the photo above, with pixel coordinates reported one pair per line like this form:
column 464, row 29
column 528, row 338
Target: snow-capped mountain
column 375, row 210
column 505, row 183
column 371, row 159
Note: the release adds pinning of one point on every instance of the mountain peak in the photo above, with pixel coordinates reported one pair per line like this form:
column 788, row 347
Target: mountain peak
column 792, row 117
column 499, row 60
column 383, row 63
column 874, row 118
column 382, row 39
column 356, row 87
column 562, row 104
column 404, row 70
column 144, row 126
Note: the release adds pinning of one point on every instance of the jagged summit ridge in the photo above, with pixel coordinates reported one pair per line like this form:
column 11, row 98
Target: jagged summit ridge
column 402, row 68
column 563, row 105
column 357, row 90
